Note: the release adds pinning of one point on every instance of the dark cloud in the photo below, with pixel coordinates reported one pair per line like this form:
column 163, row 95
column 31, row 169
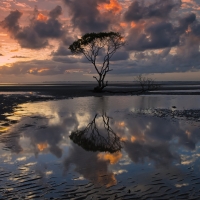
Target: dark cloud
column 68, row 39
column 68, row 59
column 159, row 153
column 155, row 36
column 139, row 10
column 150, row 144
column 97, row 168
column 186, row 21
column 64, row 55
column 152, row 34
column 1, row 54
column 62, row 51
column 11, row 21
column 29, row 38
column 56, row 12
column 186, row 57
column 158, row 34
column 50, row 29
column 120, row 55
column 195, row 28
column 35, row 35
column 86, row 16
column 154, row 27
column 50, row 137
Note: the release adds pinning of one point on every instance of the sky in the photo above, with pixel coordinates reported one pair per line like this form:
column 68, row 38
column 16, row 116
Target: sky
column 162, row 39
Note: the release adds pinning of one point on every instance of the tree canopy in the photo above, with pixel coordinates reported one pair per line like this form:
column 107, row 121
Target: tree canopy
column 90, row 46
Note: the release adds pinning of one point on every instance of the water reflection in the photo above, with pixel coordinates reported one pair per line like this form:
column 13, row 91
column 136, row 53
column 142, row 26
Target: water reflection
column 105, row 149
column 94, row 138
column 92, row 166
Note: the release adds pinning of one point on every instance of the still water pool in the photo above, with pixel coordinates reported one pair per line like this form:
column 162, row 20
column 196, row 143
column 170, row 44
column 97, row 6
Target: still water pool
column 132, row 147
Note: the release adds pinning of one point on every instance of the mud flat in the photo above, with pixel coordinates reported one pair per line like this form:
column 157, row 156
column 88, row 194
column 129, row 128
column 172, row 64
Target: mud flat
column 86, row 89
column 159, row 141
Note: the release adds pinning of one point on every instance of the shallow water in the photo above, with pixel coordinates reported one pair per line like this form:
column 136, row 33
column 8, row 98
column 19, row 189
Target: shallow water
column 133, row 147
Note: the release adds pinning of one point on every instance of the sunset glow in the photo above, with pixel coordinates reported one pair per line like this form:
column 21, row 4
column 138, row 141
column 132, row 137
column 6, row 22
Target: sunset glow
column 113, row 6
column 112, row 158
column 133, row 138
column 42, row 17
column 122, row 124
column 42, row 146
column 36, row 36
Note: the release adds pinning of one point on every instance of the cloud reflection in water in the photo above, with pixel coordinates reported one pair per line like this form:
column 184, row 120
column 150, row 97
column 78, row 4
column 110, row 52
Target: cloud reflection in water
column 145, row 139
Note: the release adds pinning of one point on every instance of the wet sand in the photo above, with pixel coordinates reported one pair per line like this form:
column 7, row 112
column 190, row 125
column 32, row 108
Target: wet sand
column 12, row 95
column 33, row 186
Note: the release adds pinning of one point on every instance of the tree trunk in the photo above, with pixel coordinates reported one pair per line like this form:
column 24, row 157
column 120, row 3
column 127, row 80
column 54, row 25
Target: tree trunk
column 101, row 84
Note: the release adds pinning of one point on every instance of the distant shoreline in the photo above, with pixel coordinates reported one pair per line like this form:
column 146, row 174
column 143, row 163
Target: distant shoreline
column 13, row 95
column 86, row 89
column 94, row 83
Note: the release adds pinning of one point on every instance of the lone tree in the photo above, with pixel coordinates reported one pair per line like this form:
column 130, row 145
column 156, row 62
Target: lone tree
column 91, row 44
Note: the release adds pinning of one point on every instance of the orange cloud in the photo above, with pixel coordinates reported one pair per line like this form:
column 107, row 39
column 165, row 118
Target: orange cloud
column 36, row 70
column 32, row 70
column 133, row 24
column 113, row 6
column 42, row 17
column 187, row 1
column 121, row 124
column 13, row 50
column 112, row 158
column 108, row 180
column 3, row 129
column 188, row 30
column 190, row 4
column 123, row 24
column 42, row 70
column 124, row 139
column 113, row 181
column 42, row 146
column 140, row 25
column 133, row 139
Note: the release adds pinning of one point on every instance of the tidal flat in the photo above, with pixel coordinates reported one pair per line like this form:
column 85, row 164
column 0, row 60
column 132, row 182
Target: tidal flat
column 99, row 146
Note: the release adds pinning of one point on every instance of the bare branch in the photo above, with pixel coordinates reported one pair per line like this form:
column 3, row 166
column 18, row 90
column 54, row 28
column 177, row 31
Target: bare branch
column 93, row 137
column 90, row 46
column 95, row 78
column 146, row 84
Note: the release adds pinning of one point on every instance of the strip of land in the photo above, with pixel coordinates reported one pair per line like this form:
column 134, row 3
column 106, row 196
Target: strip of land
column 85, row 89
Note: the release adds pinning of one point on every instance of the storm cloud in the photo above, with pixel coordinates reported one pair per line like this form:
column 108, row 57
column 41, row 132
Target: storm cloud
column 37, row 33
column 11, row 21
column 162, row 36
column 86, row 15
column 159, row 9
column 155, row 36
column 158, row 34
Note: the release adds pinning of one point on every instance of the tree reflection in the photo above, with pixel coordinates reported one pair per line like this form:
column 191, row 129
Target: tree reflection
column 93, row 138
